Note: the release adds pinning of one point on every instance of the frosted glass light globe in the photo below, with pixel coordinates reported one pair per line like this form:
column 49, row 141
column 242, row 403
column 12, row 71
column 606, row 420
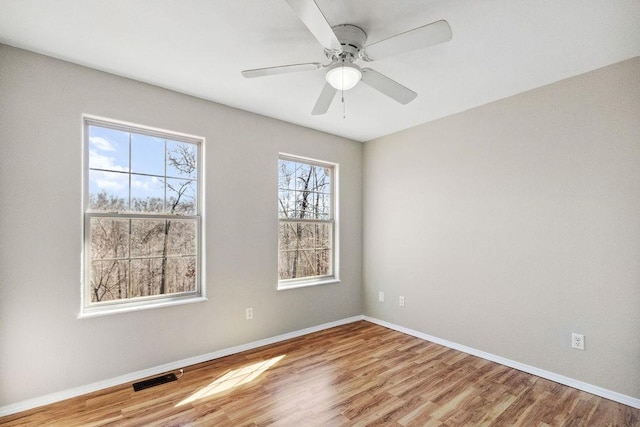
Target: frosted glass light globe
column 343, row 75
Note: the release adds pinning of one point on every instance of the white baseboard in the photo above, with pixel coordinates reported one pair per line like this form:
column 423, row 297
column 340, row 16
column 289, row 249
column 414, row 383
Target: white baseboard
column 134, row 376
column 589, row 388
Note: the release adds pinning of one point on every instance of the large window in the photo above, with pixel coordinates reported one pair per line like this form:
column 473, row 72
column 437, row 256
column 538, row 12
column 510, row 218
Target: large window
column 142, row 222
column 308, row 227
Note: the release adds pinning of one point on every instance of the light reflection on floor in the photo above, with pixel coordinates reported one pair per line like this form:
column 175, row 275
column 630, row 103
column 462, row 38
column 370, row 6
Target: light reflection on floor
column 233, row 378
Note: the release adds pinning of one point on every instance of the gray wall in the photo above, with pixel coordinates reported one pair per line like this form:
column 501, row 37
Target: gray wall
column 506, row 228
column 509, row 226
column 44, row 348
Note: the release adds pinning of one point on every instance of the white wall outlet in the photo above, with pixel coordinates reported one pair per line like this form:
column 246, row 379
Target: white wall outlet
column 249, row 313
column 380, row 296
column 401, row 301
column 577, row 341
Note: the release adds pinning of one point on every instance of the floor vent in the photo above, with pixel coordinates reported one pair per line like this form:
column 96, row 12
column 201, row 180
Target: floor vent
column 154, row 382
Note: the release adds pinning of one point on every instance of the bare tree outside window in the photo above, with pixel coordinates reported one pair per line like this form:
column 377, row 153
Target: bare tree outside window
column 306, row 212
column 142, row 215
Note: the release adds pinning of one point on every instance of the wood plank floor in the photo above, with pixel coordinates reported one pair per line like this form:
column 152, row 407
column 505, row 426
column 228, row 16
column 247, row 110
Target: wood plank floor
column 354, row 375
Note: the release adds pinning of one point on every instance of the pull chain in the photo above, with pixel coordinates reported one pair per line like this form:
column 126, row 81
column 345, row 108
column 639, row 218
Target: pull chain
column 344, row 106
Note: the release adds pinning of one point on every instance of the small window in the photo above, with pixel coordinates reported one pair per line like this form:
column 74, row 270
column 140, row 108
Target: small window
column 308, row 226
column 142, row 221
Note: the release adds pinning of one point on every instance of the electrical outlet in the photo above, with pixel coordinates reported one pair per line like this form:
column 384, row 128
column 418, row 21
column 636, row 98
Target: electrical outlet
column 577, row 341
column 380, row 296
column 249, row 313
column 401, row 301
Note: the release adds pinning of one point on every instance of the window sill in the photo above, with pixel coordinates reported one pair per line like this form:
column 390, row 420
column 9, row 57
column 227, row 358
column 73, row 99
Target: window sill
column 105, row 310
column 285, row 286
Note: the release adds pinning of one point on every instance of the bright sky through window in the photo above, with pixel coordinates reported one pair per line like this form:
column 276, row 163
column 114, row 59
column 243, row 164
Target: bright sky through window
column 135, row 167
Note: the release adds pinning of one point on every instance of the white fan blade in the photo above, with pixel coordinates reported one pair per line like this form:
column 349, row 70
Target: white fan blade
column 312, row 17
column 418, row 38
column 324, row 100
column 385, row 85
column 270, row 71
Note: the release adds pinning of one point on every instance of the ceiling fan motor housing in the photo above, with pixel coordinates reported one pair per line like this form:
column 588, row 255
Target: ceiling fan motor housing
column 352, row 40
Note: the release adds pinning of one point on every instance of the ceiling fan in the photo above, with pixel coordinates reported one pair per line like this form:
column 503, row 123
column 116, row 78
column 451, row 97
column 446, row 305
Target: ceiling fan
column 344, row 45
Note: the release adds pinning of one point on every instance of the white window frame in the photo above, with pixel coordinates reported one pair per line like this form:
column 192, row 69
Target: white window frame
column 92, row 309
column 334, row 277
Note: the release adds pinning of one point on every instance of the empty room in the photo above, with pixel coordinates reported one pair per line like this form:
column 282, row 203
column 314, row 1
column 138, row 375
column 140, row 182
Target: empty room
column 320, row 213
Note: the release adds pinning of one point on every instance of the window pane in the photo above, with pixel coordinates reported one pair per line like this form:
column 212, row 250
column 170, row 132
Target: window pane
column 300, row 245
column 323, row 258
column 322, row 180
column 182, row 160
column 109, row 238
column 181, row 274
column 147, row 154
column 286, row 204
column 109, row 280
column 147, row 193
column 181, row 237
column 181, row 196
column 306, row 204
column 303, row 176
column 314, row 206
column 108, row 149
column 146, row 277
column 286, row 175
column 147, row 237
column 108, row 191
column 323, row 210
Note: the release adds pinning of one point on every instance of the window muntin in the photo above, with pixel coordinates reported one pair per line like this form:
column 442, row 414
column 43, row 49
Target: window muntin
column 142, row 217
column 306, row 211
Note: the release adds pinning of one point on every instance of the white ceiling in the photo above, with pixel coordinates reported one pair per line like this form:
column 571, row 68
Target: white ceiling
column 198, row 47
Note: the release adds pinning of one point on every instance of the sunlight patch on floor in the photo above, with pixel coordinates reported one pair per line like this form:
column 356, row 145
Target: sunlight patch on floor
column 233, row 378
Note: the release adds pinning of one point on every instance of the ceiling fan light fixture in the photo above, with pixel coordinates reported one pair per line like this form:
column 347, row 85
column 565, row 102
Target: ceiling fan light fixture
column 343, row 75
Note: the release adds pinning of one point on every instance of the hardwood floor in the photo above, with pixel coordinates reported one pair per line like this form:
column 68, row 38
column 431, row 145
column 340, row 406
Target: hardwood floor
column 353, row 375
